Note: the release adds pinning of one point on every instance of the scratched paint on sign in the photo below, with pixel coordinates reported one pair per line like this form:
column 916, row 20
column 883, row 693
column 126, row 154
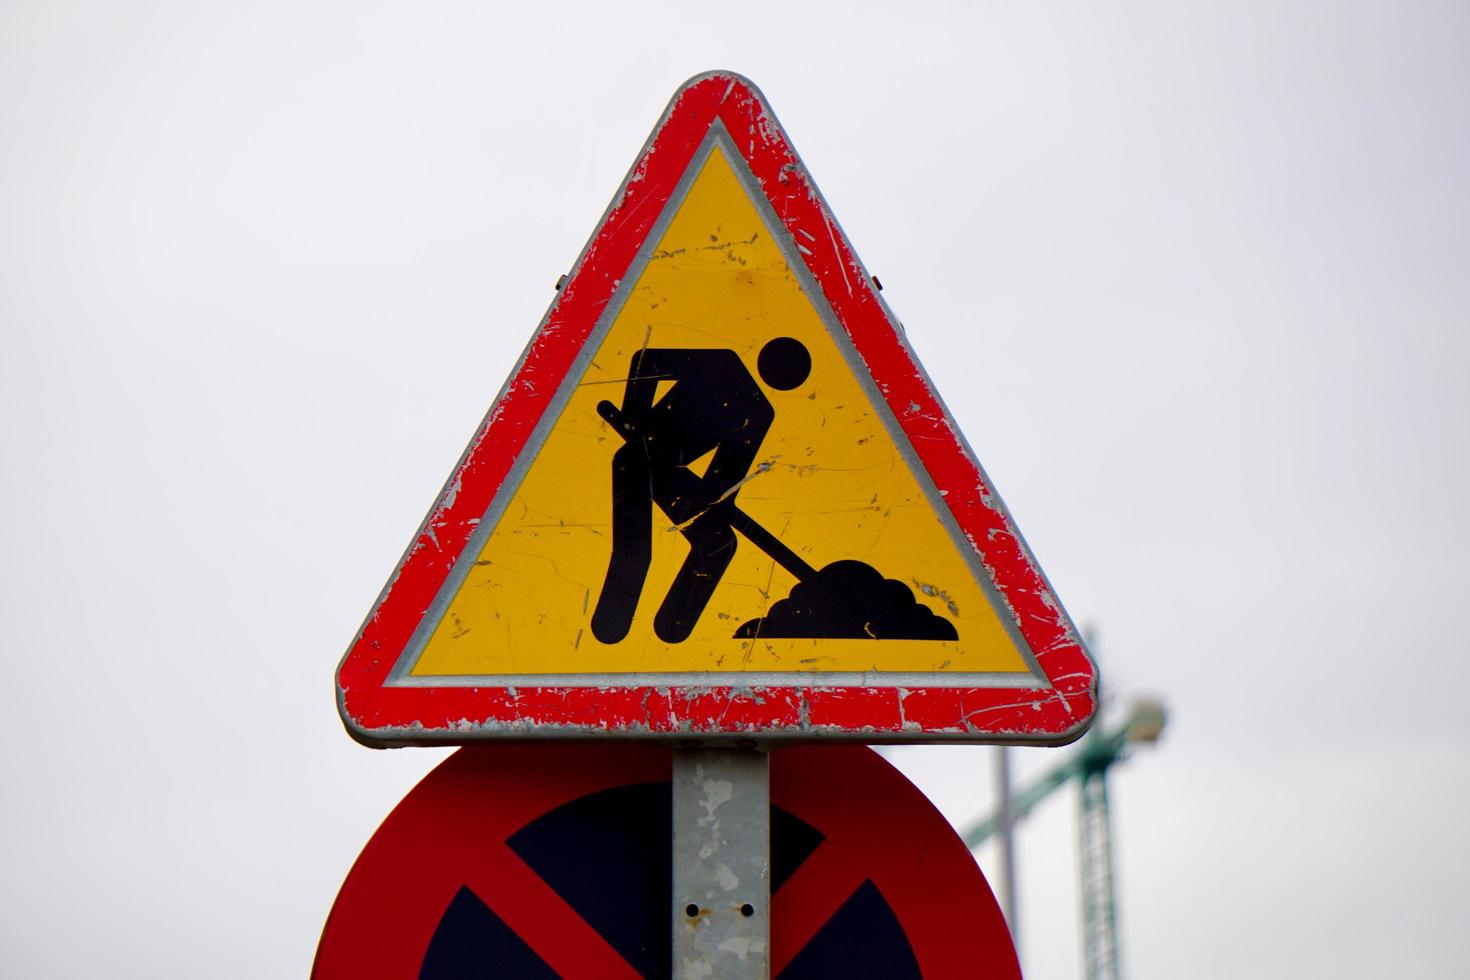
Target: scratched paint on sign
column 717, row 497
column 708, row 500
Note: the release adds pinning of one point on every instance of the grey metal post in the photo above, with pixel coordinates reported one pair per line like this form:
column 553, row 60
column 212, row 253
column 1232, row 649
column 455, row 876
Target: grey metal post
column 722, row 864
column 1005, row 836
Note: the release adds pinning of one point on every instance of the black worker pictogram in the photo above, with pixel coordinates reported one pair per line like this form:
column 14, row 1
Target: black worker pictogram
column 715, row 408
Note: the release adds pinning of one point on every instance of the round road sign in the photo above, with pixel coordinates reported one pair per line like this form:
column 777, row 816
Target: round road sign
column 546, row 860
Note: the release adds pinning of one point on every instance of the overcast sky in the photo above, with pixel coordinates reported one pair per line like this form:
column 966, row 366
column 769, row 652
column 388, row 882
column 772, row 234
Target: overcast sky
column 1194, row 280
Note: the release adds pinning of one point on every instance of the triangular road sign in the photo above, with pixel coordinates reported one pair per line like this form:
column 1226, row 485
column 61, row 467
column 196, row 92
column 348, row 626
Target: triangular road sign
column 718, row 498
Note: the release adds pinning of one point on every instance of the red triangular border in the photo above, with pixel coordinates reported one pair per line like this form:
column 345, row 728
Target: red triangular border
column 382, row 715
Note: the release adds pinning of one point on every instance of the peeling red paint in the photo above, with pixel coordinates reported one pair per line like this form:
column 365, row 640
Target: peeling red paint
column 399, row 715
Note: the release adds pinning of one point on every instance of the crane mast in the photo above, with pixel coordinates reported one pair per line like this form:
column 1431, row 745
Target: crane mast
column 1099, row 922
column 1100, row 749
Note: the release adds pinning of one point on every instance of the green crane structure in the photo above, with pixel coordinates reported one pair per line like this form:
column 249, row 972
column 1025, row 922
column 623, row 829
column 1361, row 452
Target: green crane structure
column 1100, row 749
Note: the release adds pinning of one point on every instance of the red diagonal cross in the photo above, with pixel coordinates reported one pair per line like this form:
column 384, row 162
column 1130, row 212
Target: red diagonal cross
column 808, row 899
column 542, row 918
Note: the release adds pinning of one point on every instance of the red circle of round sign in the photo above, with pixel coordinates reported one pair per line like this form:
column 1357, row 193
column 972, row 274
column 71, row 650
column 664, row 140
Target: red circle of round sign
column 545, row 859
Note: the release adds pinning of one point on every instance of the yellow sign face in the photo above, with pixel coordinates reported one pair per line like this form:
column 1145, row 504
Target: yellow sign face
column 718, row 493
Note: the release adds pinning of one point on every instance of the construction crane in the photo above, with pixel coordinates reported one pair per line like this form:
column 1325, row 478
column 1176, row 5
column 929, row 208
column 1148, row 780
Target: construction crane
column 1101, row 748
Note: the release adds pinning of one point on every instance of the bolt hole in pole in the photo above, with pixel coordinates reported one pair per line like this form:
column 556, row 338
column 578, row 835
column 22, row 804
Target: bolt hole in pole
column 722, row 864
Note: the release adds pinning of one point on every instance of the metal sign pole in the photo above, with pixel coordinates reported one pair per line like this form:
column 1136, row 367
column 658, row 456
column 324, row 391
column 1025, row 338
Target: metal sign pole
column 722, row 864
column 1005, row 811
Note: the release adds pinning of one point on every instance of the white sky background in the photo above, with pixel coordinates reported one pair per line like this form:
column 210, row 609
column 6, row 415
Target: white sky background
column 1194, row 280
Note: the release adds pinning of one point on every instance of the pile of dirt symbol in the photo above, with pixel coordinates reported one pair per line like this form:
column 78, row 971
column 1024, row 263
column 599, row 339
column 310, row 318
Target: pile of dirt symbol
column 849, row 600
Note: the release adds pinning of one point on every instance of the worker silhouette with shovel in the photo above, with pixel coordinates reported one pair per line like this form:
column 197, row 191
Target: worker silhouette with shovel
column 715, row 407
